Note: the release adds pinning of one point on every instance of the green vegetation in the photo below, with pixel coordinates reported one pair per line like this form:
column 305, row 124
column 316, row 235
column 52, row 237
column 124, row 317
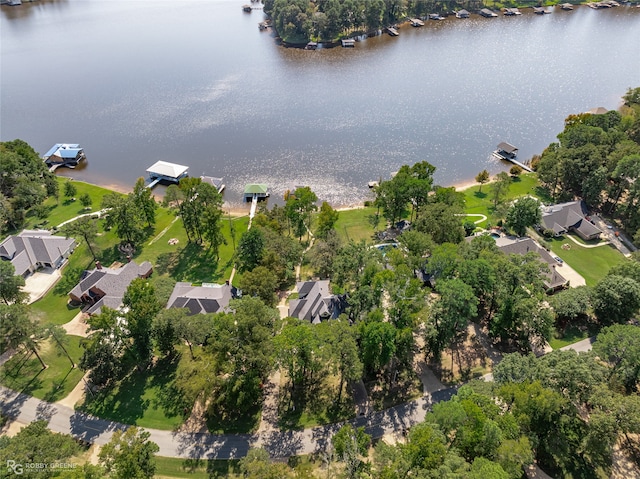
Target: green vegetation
column 571, row 335
column 355, row 225
column 24, row 373
column 591, row 263
column 170, row 467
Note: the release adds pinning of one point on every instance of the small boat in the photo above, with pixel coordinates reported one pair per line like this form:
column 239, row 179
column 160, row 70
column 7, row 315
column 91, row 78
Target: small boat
column 247, row 8
column 392, row 31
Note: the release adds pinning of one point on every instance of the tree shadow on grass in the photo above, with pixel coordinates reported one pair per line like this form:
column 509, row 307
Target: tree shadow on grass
column 191, row 262
column 57, row 389
column 246, row 422
column 168, row 398
column 481, row 195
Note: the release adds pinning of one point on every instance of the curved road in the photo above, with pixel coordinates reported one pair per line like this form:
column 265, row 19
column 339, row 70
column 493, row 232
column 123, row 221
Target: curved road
column 279, row 444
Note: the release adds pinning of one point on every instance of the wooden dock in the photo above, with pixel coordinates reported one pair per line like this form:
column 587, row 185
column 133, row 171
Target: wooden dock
column 496, row 154
column 392, row 31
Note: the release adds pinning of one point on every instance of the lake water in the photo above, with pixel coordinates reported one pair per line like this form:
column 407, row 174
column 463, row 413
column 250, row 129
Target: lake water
column 197, row 83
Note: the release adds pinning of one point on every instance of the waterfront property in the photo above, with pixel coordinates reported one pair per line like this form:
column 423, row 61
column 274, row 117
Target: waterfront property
column 348, row 42
column 107, row 286
column 435, row 16
column 208, row 298
column 64, row 154
column 165, row 171
column 311, row 46
column 508, row 152
column 553, row 279
column 571, row 216
column 597, row 111
column 512, row 11
column 566, row 6
column 485, row 12
column 32, row 250
column 215, row 182
column 462, row 14
column 540, row 10
column 416, row 22
column 256, row 190
column 315, row 302
column 392, row 31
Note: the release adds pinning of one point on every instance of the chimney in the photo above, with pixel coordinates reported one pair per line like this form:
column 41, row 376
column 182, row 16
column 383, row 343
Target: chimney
column 128, row 258
column 98, row 265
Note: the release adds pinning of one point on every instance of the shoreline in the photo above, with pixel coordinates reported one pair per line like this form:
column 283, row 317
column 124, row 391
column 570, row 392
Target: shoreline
column 237, row 211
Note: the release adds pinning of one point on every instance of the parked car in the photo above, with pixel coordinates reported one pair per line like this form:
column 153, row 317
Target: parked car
column 558, row 259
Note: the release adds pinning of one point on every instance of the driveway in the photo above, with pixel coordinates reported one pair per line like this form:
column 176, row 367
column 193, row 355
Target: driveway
column 40, row 282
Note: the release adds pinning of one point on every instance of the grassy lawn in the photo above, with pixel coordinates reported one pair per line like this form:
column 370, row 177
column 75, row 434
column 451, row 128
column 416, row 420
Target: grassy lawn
column 144, row 399
column 170, row 467
column 592, row 263
column 63, row 209
column 478, row 201
column 571, row 335
column 354, row 224
column 24, row 372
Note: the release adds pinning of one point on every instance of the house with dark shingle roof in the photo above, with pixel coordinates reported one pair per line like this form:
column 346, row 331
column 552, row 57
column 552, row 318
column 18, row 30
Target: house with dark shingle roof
column 107, row 286
column 553, row 279
column 35, row 249
column 208, row 298
column 565, row 217
column 315, row 302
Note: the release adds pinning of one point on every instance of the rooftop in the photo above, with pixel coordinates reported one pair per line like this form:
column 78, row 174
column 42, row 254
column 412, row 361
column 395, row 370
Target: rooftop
column 256, row 188
column 170, row 170
column 208, row 298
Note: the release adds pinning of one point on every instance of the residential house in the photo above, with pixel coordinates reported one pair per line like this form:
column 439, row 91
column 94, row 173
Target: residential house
column 208, row 298
column 107, row 286
column 315, row 302
column 35, row 249
column 67, row 154
column 553, row 279
column 569, row 217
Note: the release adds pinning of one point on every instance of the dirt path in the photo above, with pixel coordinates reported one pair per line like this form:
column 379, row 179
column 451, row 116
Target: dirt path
column 75, row 395
column 77, row 326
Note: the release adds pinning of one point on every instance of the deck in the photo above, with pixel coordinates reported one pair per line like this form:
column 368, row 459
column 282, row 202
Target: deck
column 500, row 156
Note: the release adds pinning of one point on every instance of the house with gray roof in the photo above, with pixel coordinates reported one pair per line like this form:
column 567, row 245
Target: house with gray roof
column 315, row 302
column 35, row 249
column 208, row 298
column 107, row 286
column 569, row 217
column 67, row 154
column 553, row 279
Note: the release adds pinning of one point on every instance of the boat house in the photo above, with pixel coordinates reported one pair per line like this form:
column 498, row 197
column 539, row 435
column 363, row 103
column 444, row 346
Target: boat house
column 512, row 11
column 485, row 12
column 64, row 154
column 165, row 171
column 257, row 190
column 506, row 151
column 462, row 14
column 348, row 42
column 566, row 6
column 416, row 22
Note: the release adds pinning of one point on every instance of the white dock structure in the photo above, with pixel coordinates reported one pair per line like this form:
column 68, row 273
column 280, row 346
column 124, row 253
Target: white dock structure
column 165, row 171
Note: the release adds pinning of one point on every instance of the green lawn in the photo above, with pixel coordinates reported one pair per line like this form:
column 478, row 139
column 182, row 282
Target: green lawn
column 354, row 224
column 170, row 467
column 144, row 399
column 571, row 335
column 592, row 263
column 63, row 208
column 24, row 372
column 478, row 200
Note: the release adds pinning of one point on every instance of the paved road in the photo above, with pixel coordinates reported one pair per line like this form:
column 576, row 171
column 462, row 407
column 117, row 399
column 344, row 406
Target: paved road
column 279, row 444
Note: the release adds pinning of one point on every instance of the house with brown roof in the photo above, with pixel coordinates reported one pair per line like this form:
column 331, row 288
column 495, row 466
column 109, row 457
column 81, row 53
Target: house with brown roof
column 35, row 249
column 569, row 217
column 208, row 298
column 315, row 303
column 553, row 279
column 107, row 286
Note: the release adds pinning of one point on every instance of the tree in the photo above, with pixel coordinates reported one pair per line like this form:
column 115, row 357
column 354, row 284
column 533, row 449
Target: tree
column 258, row 465
column 70, row 189
column 299, row 206
column 11, row 284
column 323, row 253
column 615, row 299
column 250, row 249
column 426, row 448
column 326, row 220
column 144, row 202
column 193, row 329
column 392, row 196
column 571, row 304
column 124, row 215
column 165, row 329
column 500, row 188
column 524, row 213
column 515, row 171
column 442, row 222
column 142, row 307
column 619, row 346
column 85, row 227
column 260, row 282
column 377, row 345
column 85, row 200
column 351, row 445
column 482, row 178
column 129, row 455
column 35, row 444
